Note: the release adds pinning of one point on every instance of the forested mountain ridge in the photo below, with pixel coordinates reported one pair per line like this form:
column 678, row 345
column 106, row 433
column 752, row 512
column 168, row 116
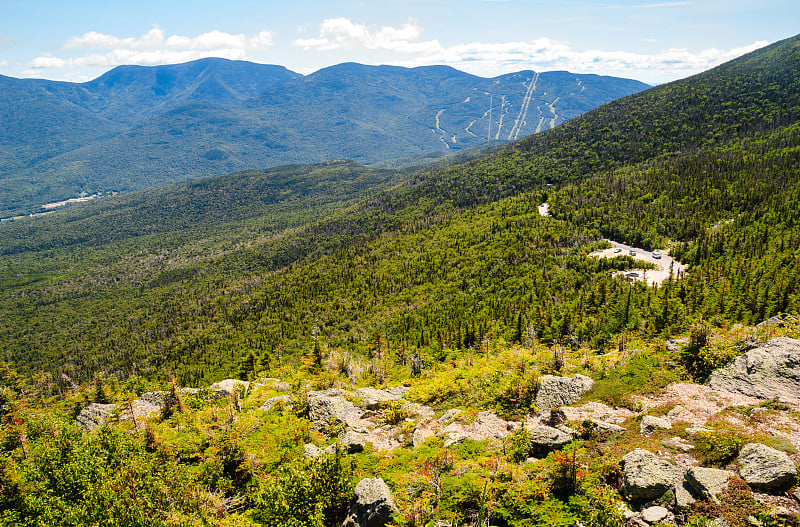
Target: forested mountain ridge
column 447, row 261
column 140, row 127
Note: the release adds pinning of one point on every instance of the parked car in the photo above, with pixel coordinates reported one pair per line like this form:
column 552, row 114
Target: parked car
column 633, row 252
column 656, row 255
column 617, row 250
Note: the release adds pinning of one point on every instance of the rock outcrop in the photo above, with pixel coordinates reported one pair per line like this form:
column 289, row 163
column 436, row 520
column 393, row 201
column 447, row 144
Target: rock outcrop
column 273, row 401
column 707, row 483
column 561, row 391
column 324, row 410
column 765, row 468
column 94, row 415
column 228, row 386
column 545, row 439
column 769, row 371
column 373, row 397
column 651, row 423
column 372, row 504
column 645, row 476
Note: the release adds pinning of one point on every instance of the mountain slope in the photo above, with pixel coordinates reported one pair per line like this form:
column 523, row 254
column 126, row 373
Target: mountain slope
column 459, row 257
column 144, row 127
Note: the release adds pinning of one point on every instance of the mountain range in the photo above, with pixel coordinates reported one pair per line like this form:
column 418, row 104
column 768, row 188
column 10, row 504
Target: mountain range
column 138, row 127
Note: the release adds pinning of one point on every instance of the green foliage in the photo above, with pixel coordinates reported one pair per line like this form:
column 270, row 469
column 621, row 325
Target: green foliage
column 305, row 493
column 599, row 506
column 395, row 412
column 519, row 445
column 718, row 448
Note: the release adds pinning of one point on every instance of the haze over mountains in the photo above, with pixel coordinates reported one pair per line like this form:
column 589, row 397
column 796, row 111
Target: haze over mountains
column 138, row 127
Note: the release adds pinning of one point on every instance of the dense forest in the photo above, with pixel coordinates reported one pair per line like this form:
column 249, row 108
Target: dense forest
column 201, row 278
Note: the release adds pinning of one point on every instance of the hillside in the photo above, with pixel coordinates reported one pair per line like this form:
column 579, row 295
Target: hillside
column 427, row 347
column 140, row 127
column 437, row 264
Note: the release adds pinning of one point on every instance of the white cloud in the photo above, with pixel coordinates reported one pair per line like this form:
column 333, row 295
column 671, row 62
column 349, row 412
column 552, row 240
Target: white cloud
column 341, row 33
column 3, row 63
column 492, row 58
column 152, row 48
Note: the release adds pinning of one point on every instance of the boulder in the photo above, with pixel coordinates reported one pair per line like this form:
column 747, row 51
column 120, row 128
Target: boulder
column 489, row 425
column 94, row 415
column 372, row 504
column 708, row 483
column 148, row 403
column 373, row 397
column 353, row 441
column 606, row 427
column 420, row 435
column 765, row 468
column 654, row 514
column 324, row 410
column 769, row 371
column 645, row 476
column 545, row 439
column 272, row 401
column 311, row 450
column 651, row 423
column 561, row 391
column 453, row 438
column 696, row 429
column 449, row 415
column 228, row 386
column 683, row 495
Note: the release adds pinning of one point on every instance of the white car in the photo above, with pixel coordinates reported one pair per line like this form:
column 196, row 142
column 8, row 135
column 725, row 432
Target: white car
column 656, row 255
column 617, row 250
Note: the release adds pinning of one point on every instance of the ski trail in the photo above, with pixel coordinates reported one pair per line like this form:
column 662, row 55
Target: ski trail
column 541, row 120
column 523, row 110
column 580, row 84
column 467, row 129
column 441, row 132
column 553, row 109
column 502, row 115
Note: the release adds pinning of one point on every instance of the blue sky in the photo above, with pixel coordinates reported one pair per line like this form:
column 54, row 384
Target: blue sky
column 651, row 40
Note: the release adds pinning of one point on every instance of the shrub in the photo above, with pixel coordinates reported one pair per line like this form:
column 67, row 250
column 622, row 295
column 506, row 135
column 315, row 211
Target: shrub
column 395, row 412
column 718, row 448
column 519, row 445
column 306, row 493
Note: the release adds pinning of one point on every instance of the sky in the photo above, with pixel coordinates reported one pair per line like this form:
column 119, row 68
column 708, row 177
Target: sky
column 654, row 41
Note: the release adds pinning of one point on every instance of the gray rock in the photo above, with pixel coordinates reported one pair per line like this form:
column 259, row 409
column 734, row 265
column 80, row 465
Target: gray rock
column 769, row 371
column 678, row 443
column 694, row 430
column 449, row 415
column 323, row 410
column 373, row 397
column 607, row 427
column 708, row 483
column 546, row 438
column 530, row 460
column 94, row 415
column 311, row 450
column 353, row 441
column 651, row 423
column 683, row 496
column 561, row 391
column 654, row 514
column 272, row 401
column 420, row 435
column 228, row 386
column 453, row 438
column 372, row 504
column 765, row 468
column 719, row 522
column 780, row 320
column 796, row 494
column 330, row 392
column 147, row 404
column 490, row 425
column 645, row 476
